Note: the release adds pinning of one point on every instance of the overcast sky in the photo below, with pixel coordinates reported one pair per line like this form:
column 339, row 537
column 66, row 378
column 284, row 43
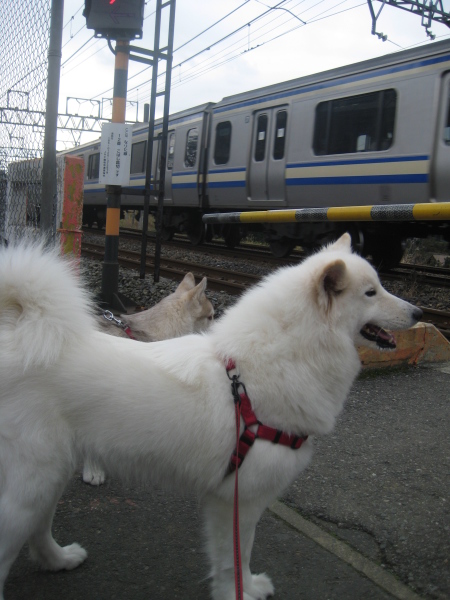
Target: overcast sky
column 261, row 47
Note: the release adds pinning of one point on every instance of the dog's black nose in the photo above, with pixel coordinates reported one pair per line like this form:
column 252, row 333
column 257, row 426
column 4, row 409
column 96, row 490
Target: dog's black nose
column 417, row 313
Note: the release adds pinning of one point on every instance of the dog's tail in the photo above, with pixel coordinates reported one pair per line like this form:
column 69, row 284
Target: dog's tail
column 42, row 306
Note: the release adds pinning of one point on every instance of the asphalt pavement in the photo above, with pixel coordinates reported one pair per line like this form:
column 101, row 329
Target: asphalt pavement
column 368, row 520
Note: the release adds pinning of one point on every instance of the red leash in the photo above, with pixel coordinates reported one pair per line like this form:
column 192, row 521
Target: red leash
column 235, row 385
column 236, row 538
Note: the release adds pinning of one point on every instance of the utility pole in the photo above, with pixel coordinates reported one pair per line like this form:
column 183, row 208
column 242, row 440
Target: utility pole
column 122, row 21
column 110, row 273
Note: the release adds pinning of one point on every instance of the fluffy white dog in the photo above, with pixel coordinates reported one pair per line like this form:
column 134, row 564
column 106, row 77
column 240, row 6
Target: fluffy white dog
column 186, row 310
column 165, row 411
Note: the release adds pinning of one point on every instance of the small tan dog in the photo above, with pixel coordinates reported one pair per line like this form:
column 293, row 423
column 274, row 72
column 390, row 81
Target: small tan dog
column 187, row 310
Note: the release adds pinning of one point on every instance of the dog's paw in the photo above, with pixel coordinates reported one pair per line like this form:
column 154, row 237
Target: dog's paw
column 261, row 587
column 93, row 475
column 57, row 558
column 73, row 556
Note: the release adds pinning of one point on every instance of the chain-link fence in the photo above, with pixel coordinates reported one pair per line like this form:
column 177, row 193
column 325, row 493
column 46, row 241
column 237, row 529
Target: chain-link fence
column 24, row 34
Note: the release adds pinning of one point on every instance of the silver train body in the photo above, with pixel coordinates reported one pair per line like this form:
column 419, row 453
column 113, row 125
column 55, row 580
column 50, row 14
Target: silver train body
column 376, row 132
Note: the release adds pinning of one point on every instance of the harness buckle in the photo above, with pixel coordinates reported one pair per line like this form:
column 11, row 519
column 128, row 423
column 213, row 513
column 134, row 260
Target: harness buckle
column 235, row 383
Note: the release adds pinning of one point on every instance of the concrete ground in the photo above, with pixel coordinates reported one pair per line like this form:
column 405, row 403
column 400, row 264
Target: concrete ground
column 368, row 520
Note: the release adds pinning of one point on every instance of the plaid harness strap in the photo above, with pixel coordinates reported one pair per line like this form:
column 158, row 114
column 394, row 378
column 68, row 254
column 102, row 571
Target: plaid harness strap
column 248, row 437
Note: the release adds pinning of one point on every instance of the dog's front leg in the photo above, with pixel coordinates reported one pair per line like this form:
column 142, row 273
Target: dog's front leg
column 219, row 539
column 45, row 551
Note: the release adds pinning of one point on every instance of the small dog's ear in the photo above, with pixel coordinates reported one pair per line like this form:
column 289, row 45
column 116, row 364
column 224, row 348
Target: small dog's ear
column 344, row 243
column 198, row 290
column 201, row 287
column 187, row 284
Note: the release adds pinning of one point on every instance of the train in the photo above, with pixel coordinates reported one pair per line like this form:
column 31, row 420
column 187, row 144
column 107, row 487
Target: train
column 375, row 132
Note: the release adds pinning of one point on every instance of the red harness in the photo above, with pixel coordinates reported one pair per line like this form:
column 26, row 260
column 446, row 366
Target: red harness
column 263, row 432
column 243, row 408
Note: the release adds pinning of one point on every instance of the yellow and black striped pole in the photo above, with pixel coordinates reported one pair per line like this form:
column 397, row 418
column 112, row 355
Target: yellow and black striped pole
column 432, row 211
column 110, row 273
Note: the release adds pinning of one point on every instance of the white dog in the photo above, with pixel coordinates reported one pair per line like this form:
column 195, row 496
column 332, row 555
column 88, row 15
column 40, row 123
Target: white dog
column 186, row 310
column 165, row 411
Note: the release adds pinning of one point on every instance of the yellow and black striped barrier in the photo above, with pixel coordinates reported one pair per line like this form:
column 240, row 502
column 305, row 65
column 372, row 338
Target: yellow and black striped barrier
column 432, row 211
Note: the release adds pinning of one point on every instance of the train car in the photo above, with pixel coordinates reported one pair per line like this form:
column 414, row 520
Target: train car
column 376, row 132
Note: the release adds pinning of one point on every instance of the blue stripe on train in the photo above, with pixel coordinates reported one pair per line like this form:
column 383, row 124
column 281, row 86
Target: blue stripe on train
column 358, row 180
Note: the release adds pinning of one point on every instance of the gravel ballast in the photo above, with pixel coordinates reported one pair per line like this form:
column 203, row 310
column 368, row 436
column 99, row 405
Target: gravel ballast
column 146, row 293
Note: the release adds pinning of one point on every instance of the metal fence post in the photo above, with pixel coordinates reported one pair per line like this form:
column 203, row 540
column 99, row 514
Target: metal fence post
column 48, row 198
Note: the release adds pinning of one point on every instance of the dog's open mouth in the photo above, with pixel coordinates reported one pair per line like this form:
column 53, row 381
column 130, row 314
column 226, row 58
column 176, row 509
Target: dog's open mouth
column 380, row 336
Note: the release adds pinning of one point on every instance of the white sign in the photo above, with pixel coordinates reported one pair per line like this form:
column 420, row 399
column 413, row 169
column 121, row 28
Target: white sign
column 115, row 154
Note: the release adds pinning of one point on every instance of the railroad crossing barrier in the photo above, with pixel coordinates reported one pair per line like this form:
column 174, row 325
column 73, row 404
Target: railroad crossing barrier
column 430, row 211
column 421, row 344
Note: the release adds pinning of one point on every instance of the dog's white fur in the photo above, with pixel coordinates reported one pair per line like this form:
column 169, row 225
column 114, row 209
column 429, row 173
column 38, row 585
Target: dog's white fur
column 187, row 310
column 164, row 411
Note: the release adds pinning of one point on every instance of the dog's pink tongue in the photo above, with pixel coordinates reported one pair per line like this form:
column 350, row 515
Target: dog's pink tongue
column 387, row 337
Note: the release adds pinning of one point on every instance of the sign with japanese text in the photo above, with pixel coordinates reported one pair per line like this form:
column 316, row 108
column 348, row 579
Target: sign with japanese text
column 115, row 154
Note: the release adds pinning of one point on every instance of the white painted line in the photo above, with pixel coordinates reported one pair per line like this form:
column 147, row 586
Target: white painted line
column 371, row 570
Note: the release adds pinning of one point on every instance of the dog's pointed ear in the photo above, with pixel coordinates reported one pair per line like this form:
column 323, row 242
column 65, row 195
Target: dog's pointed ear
column 334, row 277
column 344, row 243
column 198, row 290
column 333, row 281
column 188, row 283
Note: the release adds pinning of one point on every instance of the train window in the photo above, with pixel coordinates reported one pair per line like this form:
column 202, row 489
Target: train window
column 171, row 151
column 191, row 147
column 447, row 125
column 223, row 143
column 280, row 135
column 355, row 124
column 261, row 136
column 138, row 157
column 93, row 169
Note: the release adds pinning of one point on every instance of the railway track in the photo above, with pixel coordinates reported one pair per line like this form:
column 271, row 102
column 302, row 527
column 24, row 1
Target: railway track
column 223, row 280
column 421, row 274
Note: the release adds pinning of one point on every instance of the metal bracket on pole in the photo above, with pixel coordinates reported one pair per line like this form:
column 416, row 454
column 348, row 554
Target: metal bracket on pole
column 381, row 36
column 429, row 10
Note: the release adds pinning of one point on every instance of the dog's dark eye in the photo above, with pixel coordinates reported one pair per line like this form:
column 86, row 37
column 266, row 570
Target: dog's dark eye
column 370, row 293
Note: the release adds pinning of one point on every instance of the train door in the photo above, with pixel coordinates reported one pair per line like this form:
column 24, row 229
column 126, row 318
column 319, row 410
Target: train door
column 267, row 161
column 168, row 196
column 169, row 165
column 441, row 170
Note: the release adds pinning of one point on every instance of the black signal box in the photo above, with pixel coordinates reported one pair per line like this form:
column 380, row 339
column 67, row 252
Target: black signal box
column 115, row 19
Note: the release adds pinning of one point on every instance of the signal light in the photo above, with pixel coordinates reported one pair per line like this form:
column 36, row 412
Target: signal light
column 115, row 19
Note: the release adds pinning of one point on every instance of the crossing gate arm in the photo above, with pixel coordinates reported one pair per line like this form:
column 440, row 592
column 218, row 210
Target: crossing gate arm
column 433, row 211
